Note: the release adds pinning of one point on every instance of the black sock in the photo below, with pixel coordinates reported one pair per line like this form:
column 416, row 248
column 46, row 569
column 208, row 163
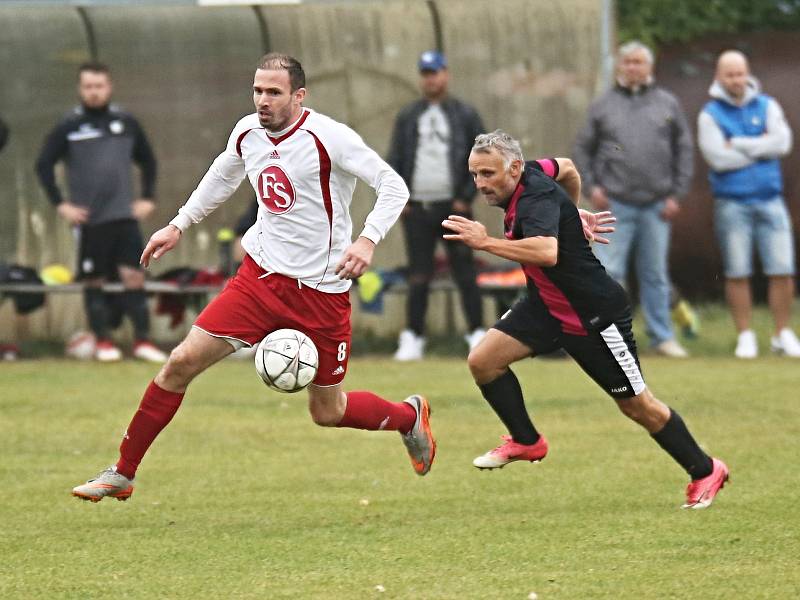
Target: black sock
column 134, row 303
column 505, row 397
column 96, row 311
column 675, row 438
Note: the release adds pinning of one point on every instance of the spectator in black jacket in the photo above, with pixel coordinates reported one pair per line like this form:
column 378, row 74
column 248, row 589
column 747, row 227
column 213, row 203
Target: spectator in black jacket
column 430, row 145
column 98, row 142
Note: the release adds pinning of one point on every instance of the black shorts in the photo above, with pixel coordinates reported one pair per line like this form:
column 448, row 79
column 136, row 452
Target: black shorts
column 608, row 356
column 106, row 246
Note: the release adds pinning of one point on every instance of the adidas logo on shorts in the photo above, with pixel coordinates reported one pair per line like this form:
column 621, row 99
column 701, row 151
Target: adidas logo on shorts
column 338, row 370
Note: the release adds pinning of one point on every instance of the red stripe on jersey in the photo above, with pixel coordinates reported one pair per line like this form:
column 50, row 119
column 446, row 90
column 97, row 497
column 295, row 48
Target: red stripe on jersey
column 549, row 167
column 240, row 138
column 556, row 302
column 300, row 121
column 325, row 185
column 511, row 212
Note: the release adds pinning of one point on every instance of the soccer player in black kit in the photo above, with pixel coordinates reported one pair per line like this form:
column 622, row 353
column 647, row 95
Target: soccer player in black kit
column 572, row 303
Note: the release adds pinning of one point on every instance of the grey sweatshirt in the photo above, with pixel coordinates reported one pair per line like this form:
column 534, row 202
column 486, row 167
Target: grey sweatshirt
column 636, row 145
column 740, row 152
column 98, row 147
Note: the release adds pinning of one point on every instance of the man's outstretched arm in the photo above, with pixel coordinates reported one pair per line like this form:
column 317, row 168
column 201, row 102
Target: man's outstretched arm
column 541, row 251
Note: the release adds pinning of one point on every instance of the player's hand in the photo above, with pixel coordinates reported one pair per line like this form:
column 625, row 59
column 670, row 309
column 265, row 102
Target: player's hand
column 472, row 233
column 597, row 223
column 142, row 208
column 356, row 260
column 671, row 209
column 598, row 198
column 161, row 242
column 72, row 213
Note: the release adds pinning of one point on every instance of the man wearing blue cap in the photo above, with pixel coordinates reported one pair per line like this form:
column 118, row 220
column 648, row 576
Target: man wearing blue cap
column 430, row 145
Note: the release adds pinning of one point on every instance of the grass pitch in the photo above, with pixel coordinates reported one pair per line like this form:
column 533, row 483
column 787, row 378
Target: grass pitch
column 243, row 497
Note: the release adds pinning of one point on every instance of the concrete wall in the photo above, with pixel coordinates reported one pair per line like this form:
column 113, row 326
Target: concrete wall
column 530, row 66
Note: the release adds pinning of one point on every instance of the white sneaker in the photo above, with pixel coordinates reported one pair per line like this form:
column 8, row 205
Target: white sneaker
column 672, row 349
column 106, row 351
column 786, row 343
column 746, row 345
column 474, row 338
column 144, row 350
column 410, row 346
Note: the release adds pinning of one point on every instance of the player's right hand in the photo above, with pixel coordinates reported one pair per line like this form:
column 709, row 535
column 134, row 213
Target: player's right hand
column 161, row 242
column 72, row 213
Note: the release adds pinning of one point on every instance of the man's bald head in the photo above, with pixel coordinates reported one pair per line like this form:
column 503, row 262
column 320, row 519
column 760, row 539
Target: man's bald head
column 733, row 72
column 732, row 59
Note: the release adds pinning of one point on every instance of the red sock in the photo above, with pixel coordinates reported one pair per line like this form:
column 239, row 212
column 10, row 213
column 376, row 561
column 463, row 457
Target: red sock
column 157, row 408
column 365, row 410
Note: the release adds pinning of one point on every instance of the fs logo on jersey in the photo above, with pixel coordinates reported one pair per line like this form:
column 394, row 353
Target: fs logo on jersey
column 275, row 190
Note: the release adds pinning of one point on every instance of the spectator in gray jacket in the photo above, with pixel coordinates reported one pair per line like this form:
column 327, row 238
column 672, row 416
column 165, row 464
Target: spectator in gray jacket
column 635, row 157
column 742, row 133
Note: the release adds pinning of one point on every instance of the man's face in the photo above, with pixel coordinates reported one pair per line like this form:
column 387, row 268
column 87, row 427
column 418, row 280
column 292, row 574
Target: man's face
column 634, row 68
column 433, row 84
column 496, row 182
column 94, row 89
column 276, row 104
column 732, row 75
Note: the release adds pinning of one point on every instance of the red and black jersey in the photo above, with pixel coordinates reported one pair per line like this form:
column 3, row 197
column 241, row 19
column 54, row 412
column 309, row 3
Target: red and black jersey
column 577, row 291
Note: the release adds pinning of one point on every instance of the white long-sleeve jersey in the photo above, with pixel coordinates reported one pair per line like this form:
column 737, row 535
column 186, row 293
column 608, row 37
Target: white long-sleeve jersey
column 304, row 178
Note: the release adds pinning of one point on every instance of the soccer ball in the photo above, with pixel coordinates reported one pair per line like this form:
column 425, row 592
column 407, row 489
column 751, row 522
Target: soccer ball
column 287, row 360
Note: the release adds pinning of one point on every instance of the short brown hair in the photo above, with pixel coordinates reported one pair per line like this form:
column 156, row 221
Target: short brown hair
column 94, row 67
column 276, row 61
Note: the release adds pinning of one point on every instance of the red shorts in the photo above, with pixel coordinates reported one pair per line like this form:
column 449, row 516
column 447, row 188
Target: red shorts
column 249, row 308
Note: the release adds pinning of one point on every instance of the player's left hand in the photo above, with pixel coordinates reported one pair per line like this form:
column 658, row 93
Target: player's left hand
column 595, row 224
column 142, row 208
column 472, row 233
column 356, row 260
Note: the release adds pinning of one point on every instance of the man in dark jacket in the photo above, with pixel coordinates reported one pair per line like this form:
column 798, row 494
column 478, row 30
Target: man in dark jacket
column 430, row 145
column 98, row 142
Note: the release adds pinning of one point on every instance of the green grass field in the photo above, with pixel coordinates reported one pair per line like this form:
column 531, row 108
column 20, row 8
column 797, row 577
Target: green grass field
column 243, row 497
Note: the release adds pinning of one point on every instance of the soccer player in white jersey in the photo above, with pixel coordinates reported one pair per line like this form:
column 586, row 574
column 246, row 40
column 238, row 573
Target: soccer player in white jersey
column 298, row 269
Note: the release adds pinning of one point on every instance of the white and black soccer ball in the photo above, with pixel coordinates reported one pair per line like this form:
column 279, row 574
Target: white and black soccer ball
column 287, row 360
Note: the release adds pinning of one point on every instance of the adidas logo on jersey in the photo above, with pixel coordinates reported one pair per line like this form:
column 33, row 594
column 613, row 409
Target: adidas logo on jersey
column 274, row 155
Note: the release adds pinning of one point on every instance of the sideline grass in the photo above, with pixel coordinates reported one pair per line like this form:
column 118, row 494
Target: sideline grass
column 242, row 497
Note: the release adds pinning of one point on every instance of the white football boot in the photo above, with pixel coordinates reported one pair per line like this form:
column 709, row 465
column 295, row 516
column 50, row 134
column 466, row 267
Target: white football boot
column 106, row 483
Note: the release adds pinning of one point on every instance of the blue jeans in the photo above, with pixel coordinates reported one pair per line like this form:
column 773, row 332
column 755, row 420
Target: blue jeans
column 640, row 229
